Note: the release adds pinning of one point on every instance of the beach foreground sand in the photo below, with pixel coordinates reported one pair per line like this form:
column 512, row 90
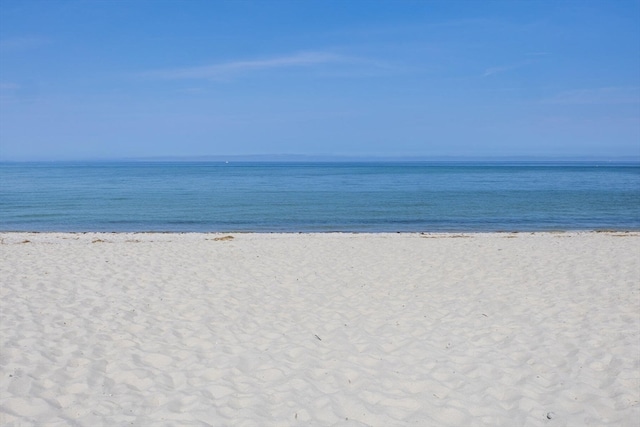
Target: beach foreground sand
column 502, row 329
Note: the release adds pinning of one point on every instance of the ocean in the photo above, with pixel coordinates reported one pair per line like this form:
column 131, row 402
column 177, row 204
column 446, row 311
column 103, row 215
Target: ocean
column 319, row 197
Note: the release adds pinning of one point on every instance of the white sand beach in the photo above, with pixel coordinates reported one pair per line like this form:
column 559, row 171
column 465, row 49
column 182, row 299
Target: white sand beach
column 495, row 329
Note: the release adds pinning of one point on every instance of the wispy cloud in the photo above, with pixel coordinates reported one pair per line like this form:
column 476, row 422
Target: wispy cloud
column 12, row 44
column 538, row 54
column 603, row 95
column 227, row 70
column 9, row 86
column 532, row 58
column 505, row 68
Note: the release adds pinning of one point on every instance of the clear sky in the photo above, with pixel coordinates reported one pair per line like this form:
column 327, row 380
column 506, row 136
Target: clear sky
column 82, row 79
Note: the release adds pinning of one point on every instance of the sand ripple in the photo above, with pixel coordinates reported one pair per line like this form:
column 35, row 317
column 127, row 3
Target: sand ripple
column 327, row 329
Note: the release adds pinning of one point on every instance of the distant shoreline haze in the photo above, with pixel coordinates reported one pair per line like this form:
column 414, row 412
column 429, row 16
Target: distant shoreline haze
column 286, row 158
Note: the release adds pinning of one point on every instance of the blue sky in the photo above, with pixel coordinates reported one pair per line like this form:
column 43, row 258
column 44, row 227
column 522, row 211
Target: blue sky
column 85, row 79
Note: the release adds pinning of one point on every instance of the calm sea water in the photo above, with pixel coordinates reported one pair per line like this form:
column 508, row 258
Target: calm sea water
column 292, row 197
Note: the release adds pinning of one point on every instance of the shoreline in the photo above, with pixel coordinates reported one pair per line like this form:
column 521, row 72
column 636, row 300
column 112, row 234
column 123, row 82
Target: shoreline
column 353, row 329
column 338, row 232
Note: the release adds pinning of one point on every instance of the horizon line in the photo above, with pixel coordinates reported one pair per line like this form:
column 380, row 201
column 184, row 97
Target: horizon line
column 332, row 158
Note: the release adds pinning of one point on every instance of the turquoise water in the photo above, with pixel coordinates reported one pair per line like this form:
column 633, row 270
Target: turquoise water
column 310, row 197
